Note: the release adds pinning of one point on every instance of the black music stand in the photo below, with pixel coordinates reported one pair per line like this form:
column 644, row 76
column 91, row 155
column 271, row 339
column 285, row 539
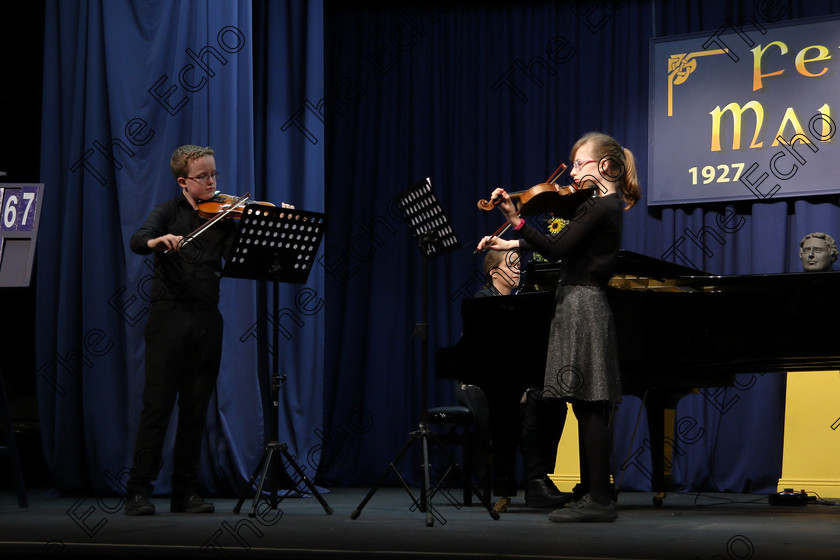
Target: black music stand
column 277, row 245
column 434, row 235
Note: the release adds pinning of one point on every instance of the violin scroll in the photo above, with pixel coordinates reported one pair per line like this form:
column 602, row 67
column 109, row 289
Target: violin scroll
column 487, row 205
column 524, row 197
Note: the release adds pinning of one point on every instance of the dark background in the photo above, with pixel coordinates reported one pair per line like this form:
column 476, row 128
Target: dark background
column 21, row 56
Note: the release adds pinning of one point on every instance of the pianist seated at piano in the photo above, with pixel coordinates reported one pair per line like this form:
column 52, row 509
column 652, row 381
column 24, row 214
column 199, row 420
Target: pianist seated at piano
column 582, row 358
column 494, row 431
column 503, row 418
column 501, row 272
column 818, row 251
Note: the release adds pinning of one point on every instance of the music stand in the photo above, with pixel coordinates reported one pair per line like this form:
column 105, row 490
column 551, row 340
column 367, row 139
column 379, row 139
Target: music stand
column 434, row 235
column 276, row 245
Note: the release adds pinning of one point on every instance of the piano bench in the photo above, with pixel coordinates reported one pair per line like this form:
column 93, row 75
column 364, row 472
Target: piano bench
column 451, row 415
column 458, row 422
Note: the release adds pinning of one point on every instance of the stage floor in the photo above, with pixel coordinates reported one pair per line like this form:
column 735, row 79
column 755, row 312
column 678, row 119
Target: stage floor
column 687, row 526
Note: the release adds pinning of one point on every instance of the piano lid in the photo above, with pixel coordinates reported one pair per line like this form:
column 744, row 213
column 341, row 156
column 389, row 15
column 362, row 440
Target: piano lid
column 637, row 263
column 634, row 271
column 640, row 272
column 678, row 325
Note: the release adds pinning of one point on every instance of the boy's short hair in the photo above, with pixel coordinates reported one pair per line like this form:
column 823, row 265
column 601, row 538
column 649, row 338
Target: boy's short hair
column 183, row 155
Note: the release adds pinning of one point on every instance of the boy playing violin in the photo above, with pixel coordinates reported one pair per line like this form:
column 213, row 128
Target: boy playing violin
column 183, row 334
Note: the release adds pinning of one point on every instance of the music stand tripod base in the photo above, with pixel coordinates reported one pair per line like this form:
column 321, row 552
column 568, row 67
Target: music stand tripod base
column 434, row 236
column 424, row 435
column 262, row 471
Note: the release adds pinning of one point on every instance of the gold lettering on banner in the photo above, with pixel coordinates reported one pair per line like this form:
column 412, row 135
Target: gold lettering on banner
column 680, row 67
column 800, row 62
column 737, row 111
column 789, row 120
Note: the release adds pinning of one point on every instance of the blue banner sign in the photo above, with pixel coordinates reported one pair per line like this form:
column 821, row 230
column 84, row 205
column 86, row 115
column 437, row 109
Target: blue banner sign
column 745, row 113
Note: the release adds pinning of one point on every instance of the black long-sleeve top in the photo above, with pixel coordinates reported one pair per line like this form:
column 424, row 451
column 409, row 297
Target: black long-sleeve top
column 192, row 274
column 588, row 245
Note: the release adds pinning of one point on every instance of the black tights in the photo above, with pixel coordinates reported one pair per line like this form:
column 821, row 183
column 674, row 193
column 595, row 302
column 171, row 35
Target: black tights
column 594, row 441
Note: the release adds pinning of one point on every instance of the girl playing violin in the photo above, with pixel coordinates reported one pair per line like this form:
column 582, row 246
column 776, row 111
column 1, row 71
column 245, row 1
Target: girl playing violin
column 582, row 362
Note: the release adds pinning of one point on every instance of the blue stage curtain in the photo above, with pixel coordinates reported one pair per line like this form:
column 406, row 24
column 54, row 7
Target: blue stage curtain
column 478, row 96
column 288, row 79
column 125, row 83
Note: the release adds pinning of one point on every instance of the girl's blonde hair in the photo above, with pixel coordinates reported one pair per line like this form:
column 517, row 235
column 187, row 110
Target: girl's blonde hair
column 605, row 147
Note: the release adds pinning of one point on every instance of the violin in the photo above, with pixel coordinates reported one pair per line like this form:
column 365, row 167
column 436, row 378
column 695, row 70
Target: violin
column 223, row 203
column 536, row 200
column 544, row 197
column 526, row 196
column 561, row 200
column 218, row 208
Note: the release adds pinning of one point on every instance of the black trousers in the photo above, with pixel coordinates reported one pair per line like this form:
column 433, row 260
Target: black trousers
column 183, row 354
column 504, row 418
column 543, row 419
column 496, row 435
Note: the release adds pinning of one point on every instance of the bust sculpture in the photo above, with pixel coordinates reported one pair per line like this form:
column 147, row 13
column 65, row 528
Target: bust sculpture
column 817, row 251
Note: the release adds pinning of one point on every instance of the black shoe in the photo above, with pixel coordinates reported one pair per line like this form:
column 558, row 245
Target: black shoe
column 190, row 503
column 542, row 494
column 585, row 511
column 139, row 504
column 579, row 491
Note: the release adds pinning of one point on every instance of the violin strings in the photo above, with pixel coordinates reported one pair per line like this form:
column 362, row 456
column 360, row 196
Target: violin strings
column 216, row 218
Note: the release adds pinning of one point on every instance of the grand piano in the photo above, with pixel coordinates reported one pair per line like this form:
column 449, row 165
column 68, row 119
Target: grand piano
column 679, row 329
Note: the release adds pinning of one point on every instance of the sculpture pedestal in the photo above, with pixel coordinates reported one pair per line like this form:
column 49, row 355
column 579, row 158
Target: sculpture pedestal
column 811, row 459
column 567, row 467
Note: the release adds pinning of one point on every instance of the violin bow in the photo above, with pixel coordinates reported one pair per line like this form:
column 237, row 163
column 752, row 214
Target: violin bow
column 557, row 172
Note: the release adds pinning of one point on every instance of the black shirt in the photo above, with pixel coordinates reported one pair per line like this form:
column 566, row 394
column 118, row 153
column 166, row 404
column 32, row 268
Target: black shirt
column 193, row 273
column 488, row 291
column 588, row 245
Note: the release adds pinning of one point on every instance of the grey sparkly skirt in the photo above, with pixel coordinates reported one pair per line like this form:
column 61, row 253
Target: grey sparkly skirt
column 582, row 351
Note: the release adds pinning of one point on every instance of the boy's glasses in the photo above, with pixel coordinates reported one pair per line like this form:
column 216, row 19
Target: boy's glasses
column 204, row 178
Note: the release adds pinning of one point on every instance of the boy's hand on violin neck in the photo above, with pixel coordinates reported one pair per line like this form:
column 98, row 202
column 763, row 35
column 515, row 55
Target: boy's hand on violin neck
column 166, row 242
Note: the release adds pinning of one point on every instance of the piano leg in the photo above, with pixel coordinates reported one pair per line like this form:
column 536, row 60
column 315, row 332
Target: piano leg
column 656, row 431
column 660, row 407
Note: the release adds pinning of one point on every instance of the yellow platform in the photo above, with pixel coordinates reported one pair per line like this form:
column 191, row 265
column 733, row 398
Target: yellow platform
column 811, row 460
column 567, row 468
